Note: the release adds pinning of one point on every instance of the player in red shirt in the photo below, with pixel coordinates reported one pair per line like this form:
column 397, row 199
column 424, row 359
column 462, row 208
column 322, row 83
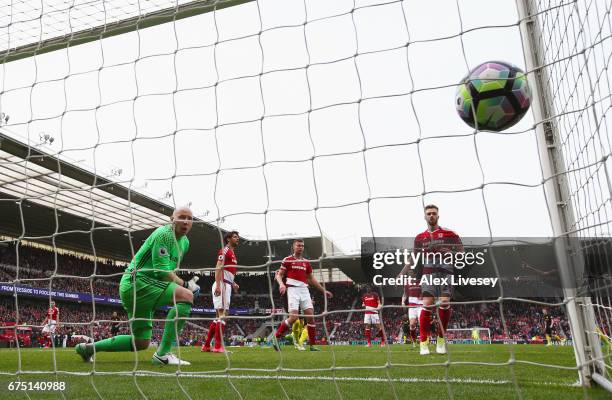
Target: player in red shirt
column 440, row 241
column 298, row 272
column 371, row 302
column 50, row 324
column 225, row 271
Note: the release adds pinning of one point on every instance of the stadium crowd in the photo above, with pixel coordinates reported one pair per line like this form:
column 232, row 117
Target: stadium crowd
column 341, row 323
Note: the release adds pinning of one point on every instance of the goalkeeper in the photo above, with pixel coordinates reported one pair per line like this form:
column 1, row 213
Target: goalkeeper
column 300, row 334
column 475, row 336
column 149, row 282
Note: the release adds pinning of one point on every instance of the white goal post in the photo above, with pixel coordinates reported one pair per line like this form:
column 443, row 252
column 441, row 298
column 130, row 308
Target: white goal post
column 464, row 335
column 558, row 189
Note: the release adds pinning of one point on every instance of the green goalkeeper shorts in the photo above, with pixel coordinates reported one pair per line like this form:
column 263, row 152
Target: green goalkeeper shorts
column 150, row 294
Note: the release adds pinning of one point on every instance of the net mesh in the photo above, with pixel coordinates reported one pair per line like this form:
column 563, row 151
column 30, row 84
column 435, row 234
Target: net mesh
column 576, row 55
column 295, row 113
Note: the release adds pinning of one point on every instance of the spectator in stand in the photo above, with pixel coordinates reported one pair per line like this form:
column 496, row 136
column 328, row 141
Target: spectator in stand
column 37, row 265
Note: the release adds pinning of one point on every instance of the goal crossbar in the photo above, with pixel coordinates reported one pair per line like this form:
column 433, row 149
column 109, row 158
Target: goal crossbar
column 107, row 30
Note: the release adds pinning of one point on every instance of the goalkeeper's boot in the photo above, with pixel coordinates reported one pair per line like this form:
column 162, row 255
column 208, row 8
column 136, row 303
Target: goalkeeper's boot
column 312, row 348
column 301, row 347
column 168, row 359
column 425, row 347
column 86, row 352
column 441, row 345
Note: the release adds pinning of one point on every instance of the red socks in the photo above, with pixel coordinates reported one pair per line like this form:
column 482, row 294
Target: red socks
column 424, row 324
column 219, row 334
column 282, row 328
column 413, row 334
column 312, row 333
column 445, row 314
column 368, row 335
column 215, row 329
column 211, row 332
column 380, row 335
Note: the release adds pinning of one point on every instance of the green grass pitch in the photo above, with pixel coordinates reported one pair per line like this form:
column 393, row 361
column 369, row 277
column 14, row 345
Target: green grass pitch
column 397, row 371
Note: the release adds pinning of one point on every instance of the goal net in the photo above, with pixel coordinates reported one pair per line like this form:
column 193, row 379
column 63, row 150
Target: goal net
column 331, row 121
column 476, row 335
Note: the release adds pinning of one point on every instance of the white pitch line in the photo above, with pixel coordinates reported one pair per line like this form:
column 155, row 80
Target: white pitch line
column 359, row 379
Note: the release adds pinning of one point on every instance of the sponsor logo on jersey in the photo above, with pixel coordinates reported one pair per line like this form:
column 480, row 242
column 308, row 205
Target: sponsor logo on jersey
column 300, row 266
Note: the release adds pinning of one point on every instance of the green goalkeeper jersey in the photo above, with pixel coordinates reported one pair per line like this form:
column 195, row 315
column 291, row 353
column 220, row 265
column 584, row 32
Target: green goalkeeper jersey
column 160, row 254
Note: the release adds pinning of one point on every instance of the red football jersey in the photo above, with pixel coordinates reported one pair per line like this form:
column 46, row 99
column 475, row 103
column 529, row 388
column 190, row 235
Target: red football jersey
column 296, row 270
column 226, row 254
column 52, row 313
column 438, row 241
column 370, row 301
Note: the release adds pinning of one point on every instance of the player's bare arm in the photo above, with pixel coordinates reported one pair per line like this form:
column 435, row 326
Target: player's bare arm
column 314, row 282
column 280, row 275
column 218, row 277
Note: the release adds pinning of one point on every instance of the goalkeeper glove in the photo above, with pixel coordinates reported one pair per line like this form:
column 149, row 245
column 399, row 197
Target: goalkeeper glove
column 191, row 285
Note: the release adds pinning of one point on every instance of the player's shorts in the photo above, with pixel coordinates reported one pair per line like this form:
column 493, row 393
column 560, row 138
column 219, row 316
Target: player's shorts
column 298, row 298
column 149, row 294
column 371, row 318
column 443, row 290
column 415, row 306
column 50, row 327
column 222, row 302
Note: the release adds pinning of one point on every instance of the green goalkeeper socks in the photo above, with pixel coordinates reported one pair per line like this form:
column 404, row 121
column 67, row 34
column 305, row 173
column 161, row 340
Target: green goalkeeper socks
column 173, row 327
column 117, row 343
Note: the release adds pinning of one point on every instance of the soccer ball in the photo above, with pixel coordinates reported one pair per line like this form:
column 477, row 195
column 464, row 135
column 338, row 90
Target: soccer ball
column 496, row 93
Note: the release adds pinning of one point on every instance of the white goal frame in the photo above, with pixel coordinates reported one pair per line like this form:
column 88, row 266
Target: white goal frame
column 587, row 350
column 478, row 328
